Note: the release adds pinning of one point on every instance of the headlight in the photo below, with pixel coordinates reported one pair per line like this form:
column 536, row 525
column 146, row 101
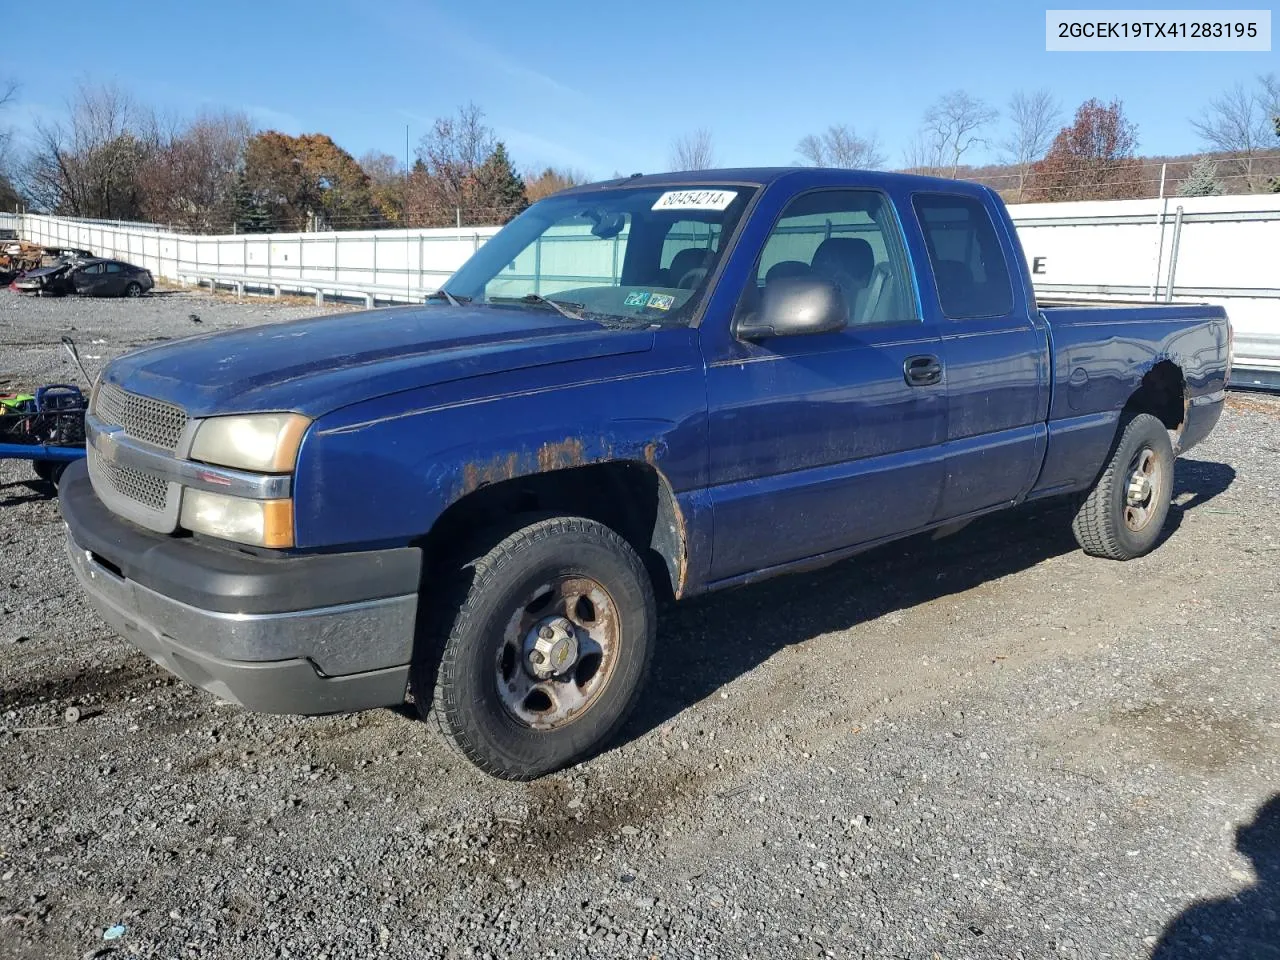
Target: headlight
column 265, row 442
column 263, row 523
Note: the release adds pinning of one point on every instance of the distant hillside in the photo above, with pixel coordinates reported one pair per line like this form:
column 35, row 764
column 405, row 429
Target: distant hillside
column 1230, row 171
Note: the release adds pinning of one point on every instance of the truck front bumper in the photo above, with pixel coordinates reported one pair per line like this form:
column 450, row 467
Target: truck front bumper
column 305, row 634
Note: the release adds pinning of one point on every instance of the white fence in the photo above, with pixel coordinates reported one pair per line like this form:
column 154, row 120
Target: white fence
column 1204, row 249
column 1216, row 249
column 391, row 264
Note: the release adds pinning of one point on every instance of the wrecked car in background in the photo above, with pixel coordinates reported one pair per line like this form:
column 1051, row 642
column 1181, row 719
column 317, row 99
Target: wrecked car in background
column 57, row 255
column 17, row 257
column 90, row 278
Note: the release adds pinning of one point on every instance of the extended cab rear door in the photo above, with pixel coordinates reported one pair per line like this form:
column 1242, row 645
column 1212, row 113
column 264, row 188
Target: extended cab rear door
column 822, row 442
column 994, row 346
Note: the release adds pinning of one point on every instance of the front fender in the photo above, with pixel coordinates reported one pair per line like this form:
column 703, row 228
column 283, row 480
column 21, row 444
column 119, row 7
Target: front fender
column 380, row 473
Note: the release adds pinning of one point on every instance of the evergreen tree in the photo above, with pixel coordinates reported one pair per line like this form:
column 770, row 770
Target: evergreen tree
column 248, row 214
column 498, row 193
column 1202, row 181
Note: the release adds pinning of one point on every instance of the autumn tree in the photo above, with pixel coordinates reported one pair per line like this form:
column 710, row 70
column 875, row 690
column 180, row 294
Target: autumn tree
column 840, row 146
column 190, row 177
column 307, row 182
column 549, row 180
column 1033, row 118
column 387, row 182
column 1092, row 159
column 1238, row 123
column 693, row 151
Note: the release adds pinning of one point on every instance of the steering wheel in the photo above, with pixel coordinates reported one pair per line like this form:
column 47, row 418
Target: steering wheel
column 691, row 278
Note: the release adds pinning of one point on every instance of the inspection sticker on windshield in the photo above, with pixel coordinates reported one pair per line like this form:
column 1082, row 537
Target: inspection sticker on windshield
column 661, row 301
column 695, row 200
column 636, row 298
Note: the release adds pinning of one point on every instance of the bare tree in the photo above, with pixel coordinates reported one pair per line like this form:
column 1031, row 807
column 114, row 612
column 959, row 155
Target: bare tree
column 8, row 192
column 923, row 155
column 693, row 151
column 955, row 124
column 8, row 90
column 448, row 158
column 89, row 165
column 1034, row 117
column 1239, row 123
column 381, row 167
column 840, row 146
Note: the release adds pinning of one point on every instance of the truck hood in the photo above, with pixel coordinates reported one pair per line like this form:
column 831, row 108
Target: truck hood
column 317, row 365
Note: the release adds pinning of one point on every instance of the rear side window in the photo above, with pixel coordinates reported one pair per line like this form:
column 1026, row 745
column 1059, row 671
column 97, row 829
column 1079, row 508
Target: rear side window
column 115, row 268
column 968, row 264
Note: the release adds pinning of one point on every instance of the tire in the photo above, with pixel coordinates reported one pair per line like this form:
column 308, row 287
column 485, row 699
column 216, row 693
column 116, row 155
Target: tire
column 1115, row 520
column 50, row 471
column 522, row 604
column 133, row 290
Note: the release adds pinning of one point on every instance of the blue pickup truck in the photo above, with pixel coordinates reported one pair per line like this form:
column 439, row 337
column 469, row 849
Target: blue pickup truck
column 638, row 390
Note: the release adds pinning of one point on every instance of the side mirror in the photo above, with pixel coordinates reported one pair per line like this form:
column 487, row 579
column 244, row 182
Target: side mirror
column 794, row 307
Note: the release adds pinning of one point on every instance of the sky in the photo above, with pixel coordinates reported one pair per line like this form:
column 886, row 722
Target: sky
column 602, row 87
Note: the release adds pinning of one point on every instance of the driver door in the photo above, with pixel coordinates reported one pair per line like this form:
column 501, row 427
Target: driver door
column 87, row 280
column 828, row 441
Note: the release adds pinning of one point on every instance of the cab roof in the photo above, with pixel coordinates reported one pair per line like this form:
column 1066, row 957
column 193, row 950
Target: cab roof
column 804, row 178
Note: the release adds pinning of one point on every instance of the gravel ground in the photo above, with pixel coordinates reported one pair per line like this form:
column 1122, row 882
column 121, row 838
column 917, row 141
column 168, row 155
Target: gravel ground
column 986, row 746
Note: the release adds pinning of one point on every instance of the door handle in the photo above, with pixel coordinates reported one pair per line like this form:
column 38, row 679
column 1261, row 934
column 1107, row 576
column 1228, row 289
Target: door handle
column 922, row 371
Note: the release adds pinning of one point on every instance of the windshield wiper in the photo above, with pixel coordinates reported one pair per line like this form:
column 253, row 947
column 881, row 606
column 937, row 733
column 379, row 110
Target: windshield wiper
column 443, row 294
column 566, row 308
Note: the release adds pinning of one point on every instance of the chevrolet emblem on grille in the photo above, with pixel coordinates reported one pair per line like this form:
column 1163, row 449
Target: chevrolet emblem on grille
column 105, row 444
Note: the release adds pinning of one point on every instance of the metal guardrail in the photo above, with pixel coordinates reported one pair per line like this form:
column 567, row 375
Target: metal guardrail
column 277, row 286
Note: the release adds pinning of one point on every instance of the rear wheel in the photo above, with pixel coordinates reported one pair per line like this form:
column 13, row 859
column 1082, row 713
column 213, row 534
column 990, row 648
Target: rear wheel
column 133, row 290
column 542, row 661
column 1122, row 516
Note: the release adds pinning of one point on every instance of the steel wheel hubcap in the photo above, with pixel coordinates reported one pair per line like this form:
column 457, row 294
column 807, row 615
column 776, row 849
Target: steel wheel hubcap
column 558, row 652
column 1145, row 481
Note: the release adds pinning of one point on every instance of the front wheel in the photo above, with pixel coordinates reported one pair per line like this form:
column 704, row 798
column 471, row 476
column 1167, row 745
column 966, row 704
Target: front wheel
column 1122, row 516
column 546, row 654
column 50, row 471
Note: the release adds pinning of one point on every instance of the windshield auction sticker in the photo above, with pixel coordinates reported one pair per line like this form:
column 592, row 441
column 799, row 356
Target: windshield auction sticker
column 1157, row 30
column 695, row 200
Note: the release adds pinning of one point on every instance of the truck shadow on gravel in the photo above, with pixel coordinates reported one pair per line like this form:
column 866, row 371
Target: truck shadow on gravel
column 709, row 641
column 94, row 685
column 1240, row 926
column 37, row 490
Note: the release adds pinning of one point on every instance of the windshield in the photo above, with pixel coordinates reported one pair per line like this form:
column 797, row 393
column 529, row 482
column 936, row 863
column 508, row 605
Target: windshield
column 642, row 255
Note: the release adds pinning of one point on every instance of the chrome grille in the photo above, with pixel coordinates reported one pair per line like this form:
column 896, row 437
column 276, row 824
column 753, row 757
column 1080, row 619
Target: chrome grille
column 144, row 488
column 151, row 421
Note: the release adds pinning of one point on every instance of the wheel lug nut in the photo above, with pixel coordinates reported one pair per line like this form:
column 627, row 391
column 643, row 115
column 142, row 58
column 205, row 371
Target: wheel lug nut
column 546, row 633
column 536, row 656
